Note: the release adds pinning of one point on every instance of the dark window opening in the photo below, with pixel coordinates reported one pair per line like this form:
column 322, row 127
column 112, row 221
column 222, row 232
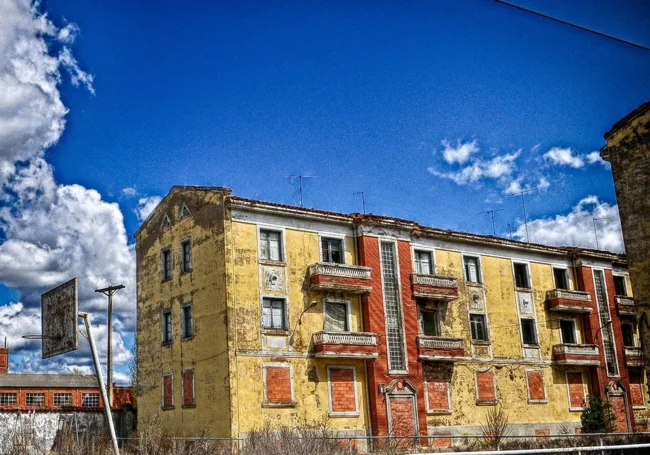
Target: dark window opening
column 628, row 335
column 521, row 276
column 188, row 321
column 167, row 335
column 561, row 278
column 619, row 285
column 186, row 256
column 430, row 322
column 528, row 332
column 479, row 327
column 568, row 331
column 332, row 250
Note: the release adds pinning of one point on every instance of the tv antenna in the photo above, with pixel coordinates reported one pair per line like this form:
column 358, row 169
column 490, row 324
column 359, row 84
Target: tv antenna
column 594, row 219
column 300, row 177
column 523, row 204
column 491, row 213
column 363, row 199
column 510, row 229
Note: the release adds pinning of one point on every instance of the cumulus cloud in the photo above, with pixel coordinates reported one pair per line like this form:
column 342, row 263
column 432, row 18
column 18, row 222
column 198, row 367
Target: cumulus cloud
column 595, row 158
column 499, row 167
column 564, row 157
column 146, row 205
column 460, row 152
column 131, row 191
column 576, row 228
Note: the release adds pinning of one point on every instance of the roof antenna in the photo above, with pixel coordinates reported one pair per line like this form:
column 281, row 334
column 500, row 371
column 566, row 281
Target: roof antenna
column 300, row 177
column 510, row 229
column 594, row 219
column 523, row 203
column 363, row 199
column 491, row 212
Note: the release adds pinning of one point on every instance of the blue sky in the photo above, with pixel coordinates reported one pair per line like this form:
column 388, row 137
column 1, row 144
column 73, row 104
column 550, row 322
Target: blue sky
column 437, row 110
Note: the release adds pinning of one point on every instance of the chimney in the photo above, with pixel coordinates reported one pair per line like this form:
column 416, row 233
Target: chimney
column 4, row 359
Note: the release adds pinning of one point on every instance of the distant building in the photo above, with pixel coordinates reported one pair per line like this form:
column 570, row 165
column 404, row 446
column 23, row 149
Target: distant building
column 252, row 312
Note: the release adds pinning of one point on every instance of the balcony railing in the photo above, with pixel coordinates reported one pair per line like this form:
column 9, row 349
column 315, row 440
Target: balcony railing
column 633, row 357
column 441, row 348
column 576, row 354
column 345, row 344
column 435, row 287
column 324, row 276
column 569, row 301
column 625, row 305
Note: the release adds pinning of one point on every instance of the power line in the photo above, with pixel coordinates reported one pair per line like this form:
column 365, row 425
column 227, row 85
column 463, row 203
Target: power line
column 570, row 24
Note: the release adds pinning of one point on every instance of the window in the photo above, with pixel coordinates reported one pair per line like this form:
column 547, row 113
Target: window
column 472, row 269
column 188, row 389
column 332, row 250
column 568, row 331
column 186, row 256
column 536, row 389
column 165, row 264
column 342, row 391
column 606, row 333
column 392, row 304
column 636, row 387
column 423, row 262
column 35, row 400
column 7, row 399
column 576, row 390
column 167, row 333
column 90, row 400
column 619, row 285
column 437, row 394
column 628, row 334
column 62, row 399
column 336, row 316
column 188, row 321
column 165, row 222
column 430, row 322
column 521, row 276
column 270, row 245
column 185, row 212
column 561, row 278
column 528, row 332
column 167, row 391
column 479, row 327
column 485, row 387
column 274, row 314
column 278, row 389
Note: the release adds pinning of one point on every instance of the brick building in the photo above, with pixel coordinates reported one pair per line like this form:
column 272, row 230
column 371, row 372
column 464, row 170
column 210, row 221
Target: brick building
column 252, row 312
column 628, row 151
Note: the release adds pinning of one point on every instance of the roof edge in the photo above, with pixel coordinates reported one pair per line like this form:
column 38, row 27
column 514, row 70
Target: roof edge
column 642, row 109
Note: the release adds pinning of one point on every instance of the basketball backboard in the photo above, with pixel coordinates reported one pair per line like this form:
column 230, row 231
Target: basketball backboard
column 59, row 319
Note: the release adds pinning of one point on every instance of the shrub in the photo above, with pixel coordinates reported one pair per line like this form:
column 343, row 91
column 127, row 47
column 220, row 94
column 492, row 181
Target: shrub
column 597, row 416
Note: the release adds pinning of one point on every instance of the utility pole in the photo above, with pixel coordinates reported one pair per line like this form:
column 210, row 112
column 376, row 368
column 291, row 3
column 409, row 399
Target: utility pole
column 523, row 203
column 363, row 199
column 300, row 177
column 109, row 291
column 491, row 212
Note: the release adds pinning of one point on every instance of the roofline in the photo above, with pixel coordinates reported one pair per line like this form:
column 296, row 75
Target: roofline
column 627, row 119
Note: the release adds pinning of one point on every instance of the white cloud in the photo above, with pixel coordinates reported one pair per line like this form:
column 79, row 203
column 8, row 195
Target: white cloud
column 543, row 184
column 459, row 153
column 576, row 228
column 499, row 167
column 146, row 205
column 595, row 158
column 130, row 191
column 564, row 157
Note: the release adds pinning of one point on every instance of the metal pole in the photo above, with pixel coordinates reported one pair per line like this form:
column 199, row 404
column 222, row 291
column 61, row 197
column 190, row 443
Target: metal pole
column 109, row 352
column 595, row 233
column 100, row 382
column 523, row 203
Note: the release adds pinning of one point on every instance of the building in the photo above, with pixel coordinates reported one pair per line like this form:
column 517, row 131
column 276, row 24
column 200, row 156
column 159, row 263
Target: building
column 52, row 402
column 252, row 312
column 628, row 151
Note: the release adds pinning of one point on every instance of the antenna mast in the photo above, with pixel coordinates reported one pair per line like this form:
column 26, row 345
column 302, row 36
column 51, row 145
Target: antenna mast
column 363, row 199
column 300, row 177
column 491, row 212
column 523, row 204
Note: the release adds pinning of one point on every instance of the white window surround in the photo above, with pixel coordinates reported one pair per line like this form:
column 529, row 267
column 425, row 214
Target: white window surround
column 568, row 391
column 530, row 400
column 356, row 393
column 278, row 365
column 528, row 275
column 431, row 252
column 567, row 274
column 575, row 329
column 189, row 370
column 487, row 325
column 163, row 326
column 283, row 244
column 620, row 275
column 348, row 311
column 479, row 272
column 185, row 267
column 430, row 411
column 162, row 395
column 323, row 236
column 184, row 336
column 494, row 386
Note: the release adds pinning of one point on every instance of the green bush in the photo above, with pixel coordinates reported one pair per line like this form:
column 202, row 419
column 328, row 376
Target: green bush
column 597, row 416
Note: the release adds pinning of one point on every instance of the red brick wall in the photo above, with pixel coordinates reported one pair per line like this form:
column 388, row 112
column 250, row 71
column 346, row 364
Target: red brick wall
column 4, row 360
column 636, row 388
column 49, row 398
column 536, row 385
column 438, row 394
column 576, row 390
column 485, row 386
column 168, row 391
column 620, row 415
column 278, row 384
column 401, row 411
column 342, row 390
column 188, row 388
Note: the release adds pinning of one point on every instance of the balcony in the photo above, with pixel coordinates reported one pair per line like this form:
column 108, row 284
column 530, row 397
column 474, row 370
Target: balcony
column 353, row 279
column 576, row 354
column 633, row 357
column 434, row 287
column 352, row 345
column 625, row 306
column 569, row 301
column 440, row 349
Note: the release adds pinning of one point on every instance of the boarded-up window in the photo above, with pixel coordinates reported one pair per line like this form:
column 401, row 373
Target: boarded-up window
column 188, row 388
column 636, row 388
column 342, row 391
column 278, row 384
column 438, row 394
column 485, row 389
column 576, row 391
column 536, row 391
column 168, row 391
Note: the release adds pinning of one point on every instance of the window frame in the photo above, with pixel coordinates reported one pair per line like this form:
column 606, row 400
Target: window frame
column 328, row 237
column 485, row 328
column 479, row 271
column 432, row 411
column 162, row 392
column 566, row 277
column 416, row 262
column 528, row 277
column 166, row 269
column 479, row 401
column 623, row 282
column 281, row 251
column 575, row 330
column 285, row 314
column 533, row 323
column 634, row 330
column 355, row 413
column 185, row 266
column 29, row 395
column 90, row 394
column 568, row 390
column 7, row 395
column 163, row 327
column 58, row 395
column 184, row 307
column 266, row 402
column 183, row 372
column 348, row 312
column 531, row 400
column 437, row 324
